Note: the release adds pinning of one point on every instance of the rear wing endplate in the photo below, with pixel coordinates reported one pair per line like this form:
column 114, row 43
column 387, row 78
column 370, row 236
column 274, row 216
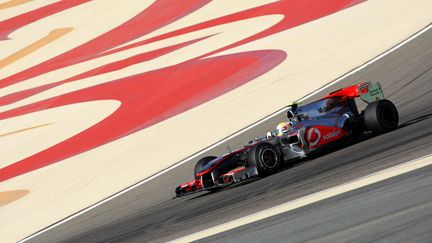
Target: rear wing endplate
column 371, row 92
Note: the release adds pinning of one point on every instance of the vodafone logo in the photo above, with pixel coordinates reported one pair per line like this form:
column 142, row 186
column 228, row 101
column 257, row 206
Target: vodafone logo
column 314, row 136
column 332, row 135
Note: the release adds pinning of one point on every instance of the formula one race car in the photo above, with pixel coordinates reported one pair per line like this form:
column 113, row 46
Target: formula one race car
column 309, row 128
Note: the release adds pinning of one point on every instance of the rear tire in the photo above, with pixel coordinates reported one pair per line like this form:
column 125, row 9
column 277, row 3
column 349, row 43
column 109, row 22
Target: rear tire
column 266, row 158
column 201, row 163
column 381, row 116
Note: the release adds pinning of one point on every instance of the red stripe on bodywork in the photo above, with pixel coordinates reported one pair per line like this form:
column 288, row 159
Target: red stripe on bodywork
column 348, row 92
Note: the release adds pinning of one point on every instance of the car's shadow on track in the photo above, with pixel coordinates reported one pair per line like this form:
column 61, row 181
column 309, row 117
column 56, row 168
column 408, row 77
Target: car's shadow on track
column 345, row 144
column 415, row 120
column 225, row 188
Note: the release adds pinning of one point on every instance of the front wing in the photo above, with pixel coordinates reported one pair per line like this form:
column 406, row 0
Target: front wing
column 234, row 176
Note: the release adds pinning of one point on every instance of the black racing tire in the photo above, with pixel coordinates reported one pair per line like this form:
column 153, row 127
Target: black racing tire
column 201, row 163
column 266, row 158
column 381, row 116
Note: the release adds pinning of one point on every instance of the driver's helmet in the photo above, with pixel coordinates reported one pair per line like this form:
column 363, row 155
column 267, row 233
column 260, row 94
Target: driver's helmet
column 282, row 128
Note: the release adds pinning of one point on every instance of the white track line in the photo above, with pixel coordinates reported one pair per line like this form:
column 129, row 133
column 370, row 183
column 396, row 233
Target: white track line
column 313, row 198
column 228, row 138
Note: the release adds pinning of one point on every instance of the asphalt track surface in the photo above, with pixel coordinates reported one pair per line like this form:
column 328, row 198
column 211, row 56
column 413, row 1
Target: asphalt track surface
column 406, row 218
column 396, row 209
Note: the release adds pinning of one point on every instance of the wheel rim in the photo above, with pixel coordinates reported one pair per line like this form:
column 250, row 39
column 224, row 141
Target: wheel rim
column 269, row 158
column 388, row 116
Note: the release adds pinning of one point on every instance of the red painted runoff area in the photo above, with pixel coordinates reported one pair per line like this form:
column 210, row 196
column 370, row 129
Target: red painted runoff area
column 152, row 96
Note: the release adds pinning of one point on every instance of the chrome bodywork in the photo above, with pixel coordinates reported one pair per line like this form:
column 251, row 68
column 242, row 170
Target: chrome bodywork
column 312, row 127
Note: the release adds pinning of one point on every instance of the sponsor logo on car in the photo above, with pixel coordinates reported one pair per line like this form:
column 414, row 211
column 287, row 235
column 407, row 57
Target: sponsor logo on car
column 314, row 136
column 332, row 135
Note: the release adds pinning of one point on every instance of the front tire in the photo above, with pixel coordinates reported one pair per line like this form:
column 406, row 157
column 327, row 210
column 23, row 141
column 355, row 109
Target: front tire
column 266, row 158
column 381, row 116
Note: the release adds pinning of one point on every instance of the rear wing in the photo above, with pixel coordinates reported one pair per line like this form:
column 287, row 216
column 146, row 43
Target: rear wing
column 367, row 92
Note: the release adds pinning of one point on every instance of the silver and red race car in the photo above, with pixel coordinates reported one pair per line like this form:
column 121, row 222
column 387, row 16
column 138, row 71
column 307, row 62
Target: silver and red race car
column 309, row 129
